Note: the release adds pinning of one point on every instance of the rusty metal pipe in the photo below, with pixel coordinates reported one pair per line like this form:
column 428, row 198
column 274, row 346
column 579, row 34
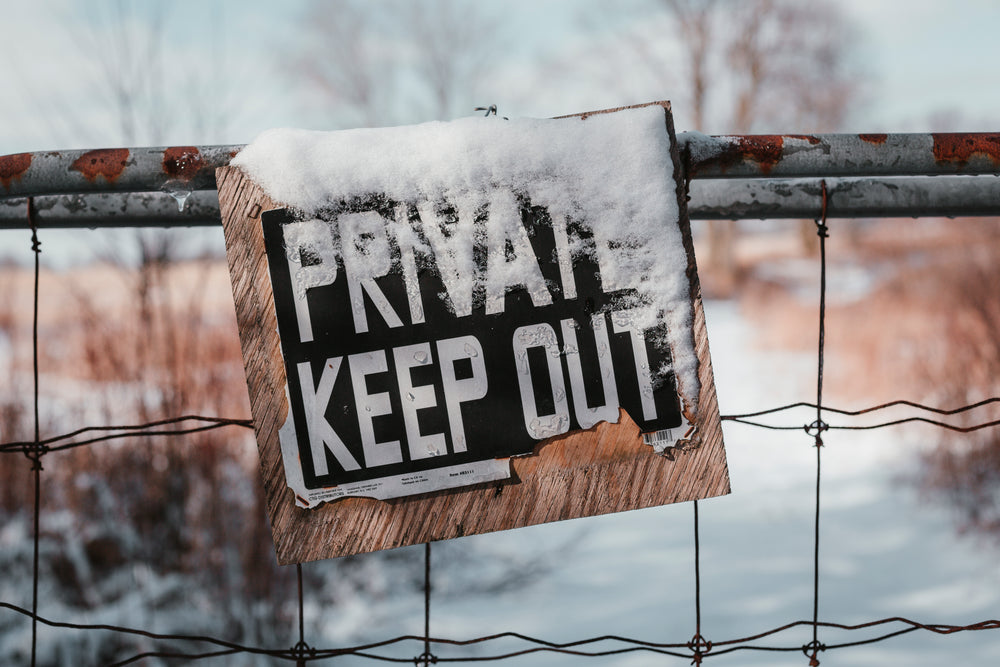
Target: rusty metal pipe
column 896, row 197
column 113, row 210
column 112, row 170
column 710, row 200
column 839, row 155
column 746, row 156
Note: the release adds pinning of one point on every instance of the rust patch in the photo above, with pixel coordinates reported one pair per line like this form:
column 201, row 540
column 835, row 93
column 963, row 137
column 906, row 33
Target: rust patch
column 12, row 167
column 805, row 137
column 876, row 139
column 182, row 162
column 764, row 149
column 106, row 162
column 958, row 148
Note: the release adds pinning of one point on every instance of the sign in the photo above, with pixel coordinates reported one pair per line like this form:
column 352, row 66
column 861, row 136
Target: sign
column 434, row 336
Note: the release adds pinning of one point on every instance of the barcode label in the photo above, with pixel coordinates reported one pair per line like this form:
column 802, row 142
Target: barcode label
column 659, row 440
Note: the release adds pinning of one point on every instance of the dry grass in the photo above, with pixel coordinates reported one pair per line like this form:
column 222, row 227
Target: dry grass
column 924, row 325
column 920, row 319
column 123, row 346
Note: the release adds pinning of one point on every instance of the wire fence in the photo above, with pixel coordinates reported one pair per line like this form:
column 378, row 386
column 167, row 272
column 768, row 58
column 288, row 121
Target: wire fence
column 697, row 649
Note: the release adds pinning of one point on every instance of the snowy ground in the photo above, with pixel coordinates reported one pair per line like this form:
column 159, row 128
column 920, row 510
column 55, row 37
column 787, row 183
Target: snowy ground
column 883, row 552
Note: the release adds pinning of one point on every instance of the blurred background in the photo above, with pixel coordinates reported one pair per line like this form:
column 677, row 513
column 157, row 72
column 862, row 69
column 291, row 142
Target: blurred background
column 138, row 325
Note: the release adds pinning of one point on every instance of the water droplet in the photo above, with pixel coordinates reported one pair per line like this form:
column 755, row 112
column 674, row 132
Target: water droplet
column 410, row 396
column 560, row 393
column 522, row 363
column 368, row 408
column 571, row 349
column 179, row 191
column 420, row 357
column 181, row 196
column 602, row 349
column 622, row 319
column 433, row 451
column 546, row 427
column 471, row 351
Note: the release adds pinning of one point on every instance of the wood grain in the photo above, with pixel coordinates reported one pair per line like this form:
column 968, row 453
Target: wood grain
column 605, row 469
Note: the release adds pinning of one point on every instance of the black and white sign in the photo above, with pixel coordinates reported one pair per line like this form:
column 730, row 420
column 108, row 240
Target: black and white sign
column 425, row 342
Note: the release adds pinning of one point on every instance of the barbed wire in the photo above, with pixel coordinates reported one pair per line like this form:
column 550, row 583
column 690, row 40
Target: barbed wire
column 212, row 423
column 540, row 645
column 697, row 649
column 131, row 431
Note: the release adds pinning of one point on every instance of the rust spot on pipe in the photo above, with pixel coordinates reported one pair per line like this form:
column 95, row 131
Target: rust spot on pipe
column 764, row 149
column 13, row 167
column 958, row 148
column 876, row 139
column 805, row 137
column 182, row 162
column 106, row 162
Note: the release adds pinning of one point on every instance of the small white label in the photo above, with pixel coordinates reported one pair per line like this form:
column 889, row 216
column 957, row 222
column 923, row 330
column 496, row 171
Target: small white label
column 660, row 441
column 427, row 481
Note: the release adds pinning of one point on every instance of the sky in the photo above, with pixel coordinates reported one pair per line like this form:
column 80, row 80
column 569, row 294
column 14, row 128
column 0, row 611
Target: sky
column 927, row 65
column 929, row 59
column 232, row 69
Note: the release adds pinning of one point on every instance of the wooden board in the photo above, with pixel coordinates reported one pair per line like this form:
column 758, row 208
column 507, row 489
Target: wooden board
column 602, row 470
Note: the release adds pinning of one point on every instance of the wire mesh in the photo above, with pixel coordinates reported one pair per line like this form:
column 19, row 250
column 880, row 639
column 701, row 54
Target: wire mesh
column 695, row 650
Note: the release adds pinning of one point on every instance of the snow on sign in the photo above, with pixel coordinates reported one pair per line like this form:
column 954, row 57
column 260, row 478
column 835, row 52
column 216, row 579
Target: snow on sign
column 452, row 301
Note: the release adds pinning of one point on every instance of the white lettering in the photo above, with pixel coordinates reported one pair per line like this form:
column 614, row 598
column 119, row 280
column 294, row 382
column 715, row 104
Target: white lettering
column 461, row 391
column 608, row 411
column 452, row 253
column 540, row 426
column 561, row 235
column 365, row 248
column 321, row 433
column 371, row 406
column 314, row 239
column 625, row 321
column 518, row 269
column 416, row 398
column 403, row 234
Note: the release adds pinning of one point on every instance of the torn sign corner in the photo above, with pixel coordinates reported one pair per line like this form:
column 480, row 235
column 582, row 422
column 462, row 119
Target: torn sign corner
column 411, row 483
column 666, row 442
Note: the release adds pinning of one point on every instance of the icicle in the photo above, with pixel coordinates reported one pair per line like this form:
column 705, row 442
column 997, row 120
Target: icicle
column 179, row 191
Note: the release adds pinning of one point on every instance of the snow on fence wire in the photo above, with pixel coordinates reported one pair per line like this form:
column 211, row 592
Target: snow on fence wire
column 772, row 176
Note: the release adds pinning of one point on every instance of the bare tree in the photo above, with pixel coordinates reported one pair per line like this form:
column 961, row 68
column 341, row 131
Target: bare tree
column 348, row 60
column 396, row 61
column 696, row 23
column 454, row 43
column 789, row 64
column 786, row 69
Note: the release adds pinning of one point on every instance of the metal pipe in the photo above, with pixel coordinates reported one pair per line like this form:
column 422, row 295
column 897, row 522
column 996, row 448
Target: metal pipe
column 898, row 197
column 112, row 170
column 113, row 210
column 833, row 155
column 747, row 156
column 953, row 196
